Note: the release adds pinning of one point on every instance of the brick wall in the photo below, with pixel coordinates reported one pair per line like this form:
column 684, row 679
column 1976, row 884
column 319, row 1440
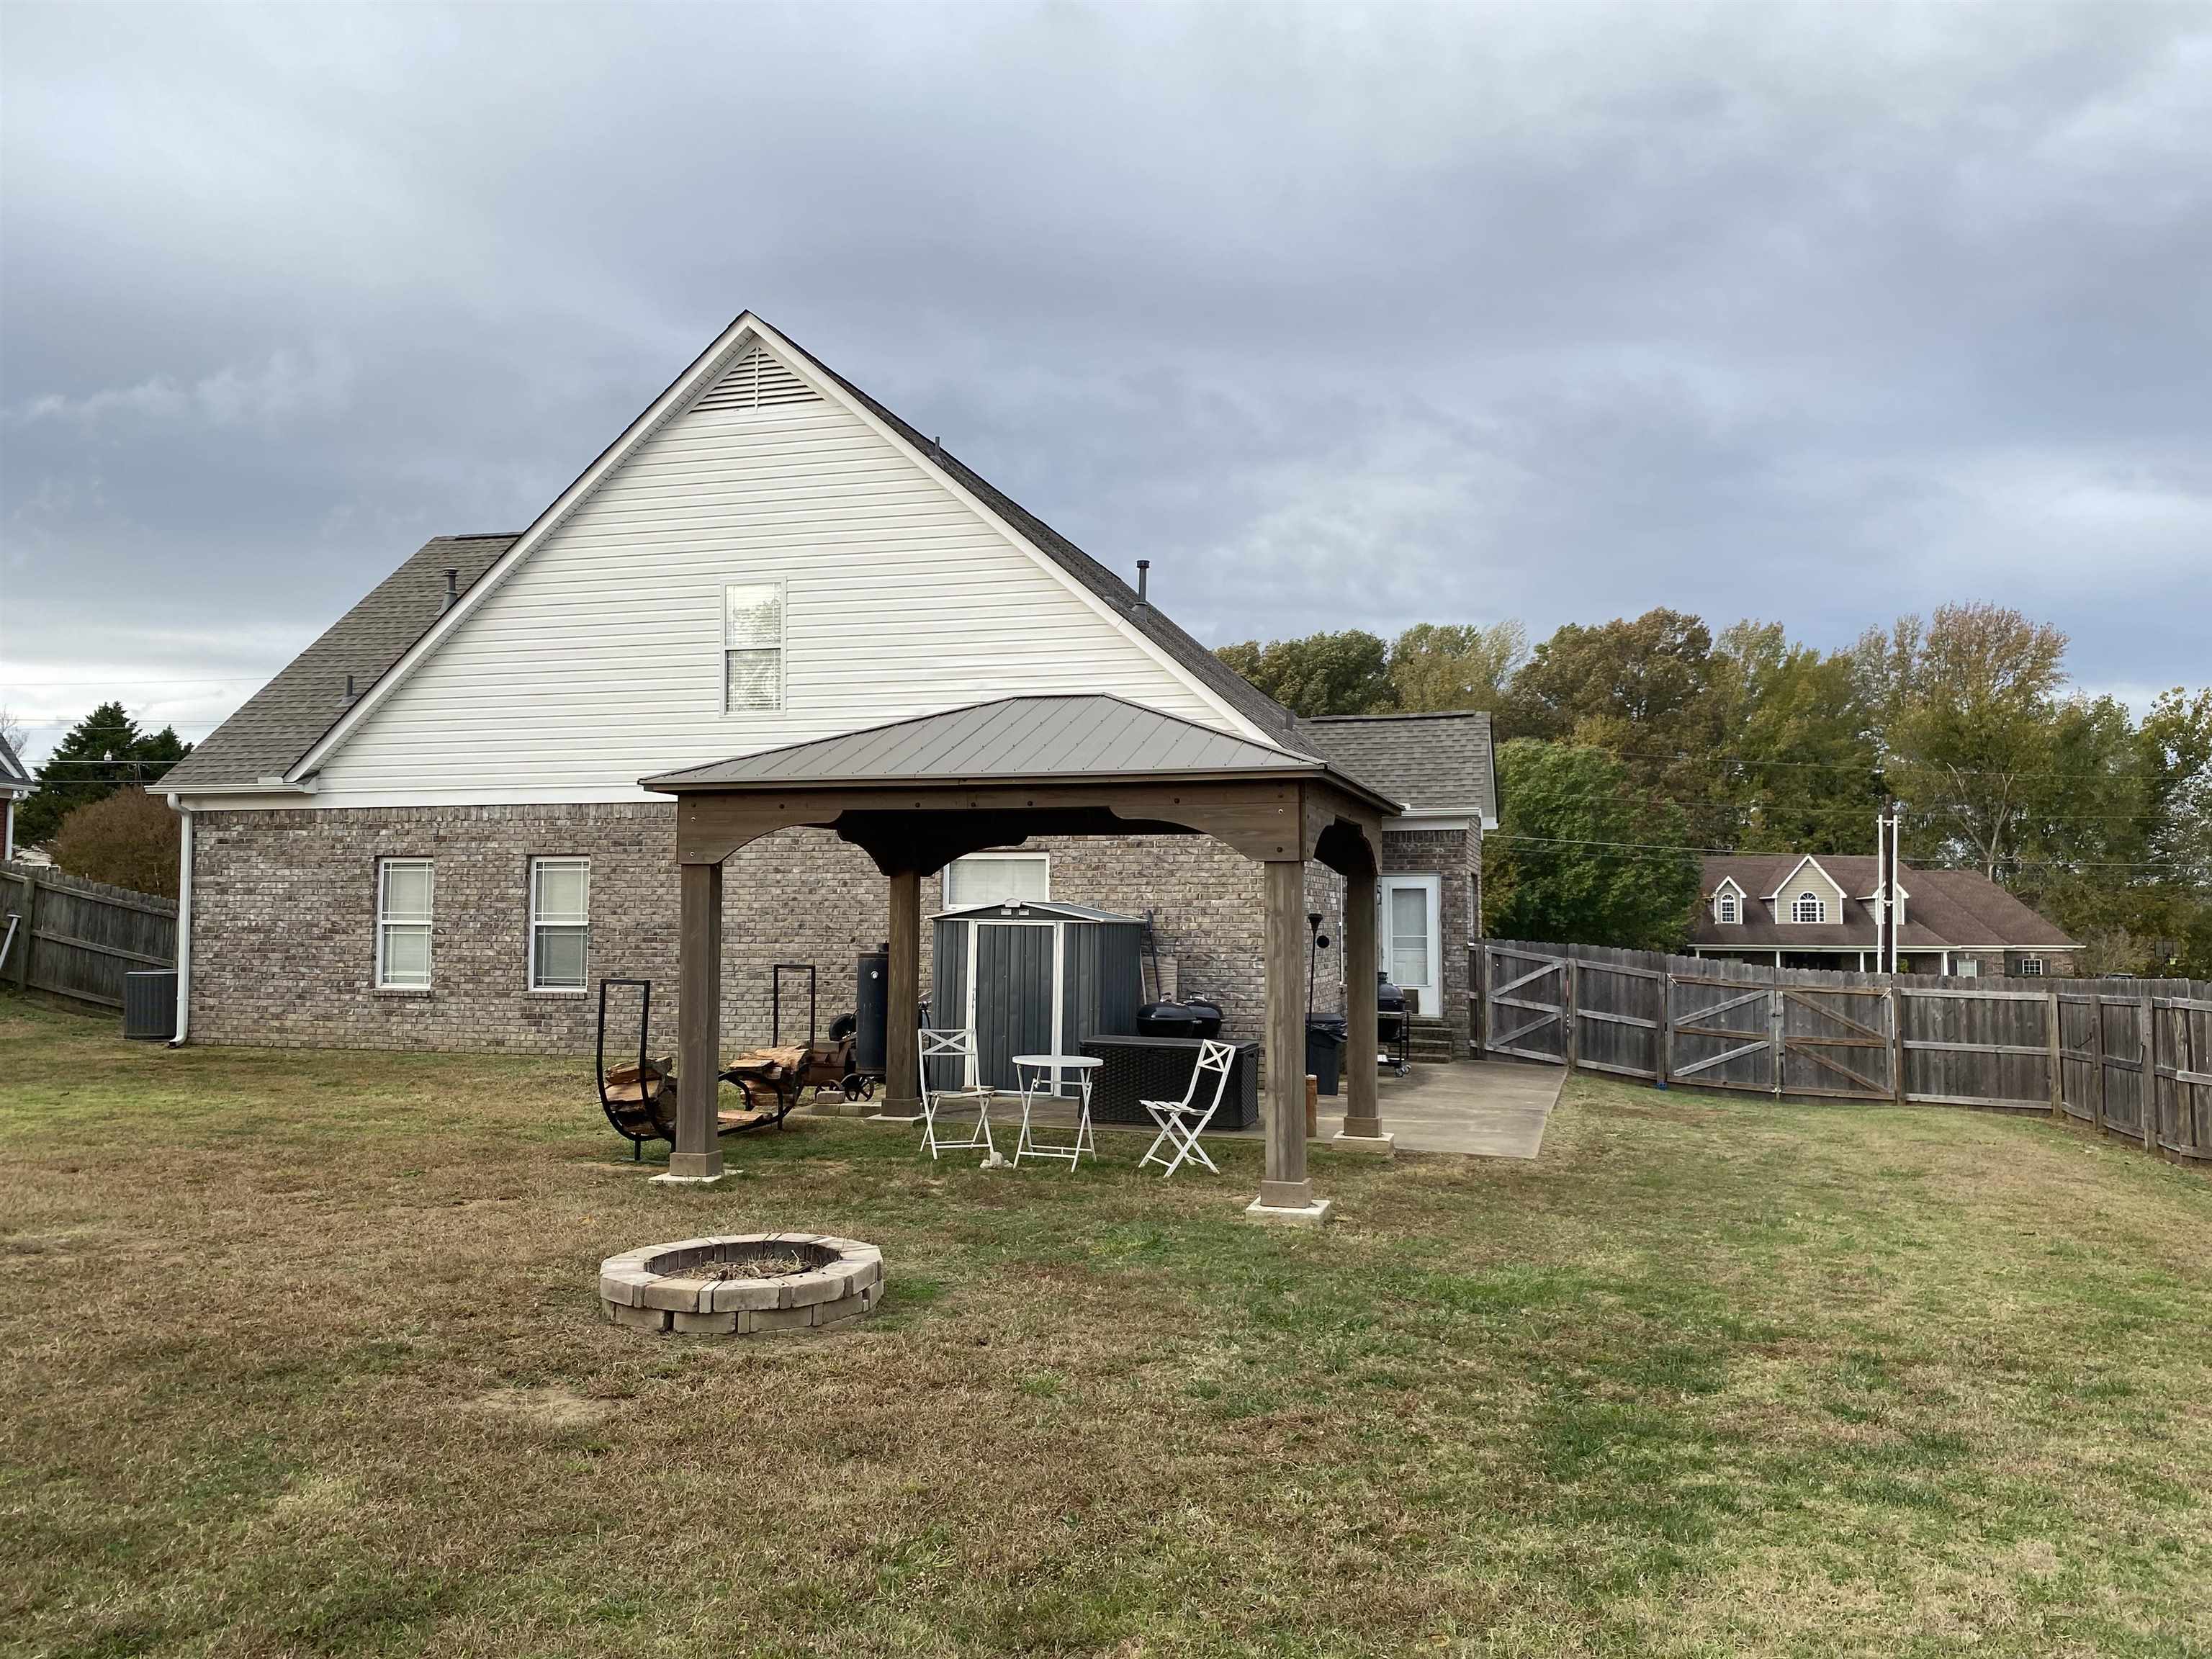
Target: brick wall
column 284, row 922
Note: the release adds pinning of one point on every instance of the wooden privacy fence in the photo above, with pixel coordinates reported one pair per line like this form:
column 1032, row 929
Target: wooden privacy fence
column 77, row 938
column 2131, row 1057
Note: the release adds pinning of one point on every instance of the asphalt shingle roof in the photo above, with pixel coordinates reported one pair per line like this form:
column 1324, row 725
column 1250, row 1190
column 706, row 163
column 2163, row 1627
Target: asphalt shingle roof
column 287, row 717
column 1431, row 762
column 1943, row 908
column 12, row 770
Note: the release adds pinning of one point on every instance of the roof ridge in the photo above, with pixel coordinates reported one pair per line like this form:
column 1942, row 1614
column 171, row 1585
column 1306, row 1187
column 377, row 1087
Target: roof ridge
column 1400, row 714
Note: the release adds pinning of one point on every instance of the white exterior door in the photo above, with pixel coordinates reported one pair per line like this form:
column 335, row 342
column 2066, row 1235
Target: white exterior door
column 1406, row 928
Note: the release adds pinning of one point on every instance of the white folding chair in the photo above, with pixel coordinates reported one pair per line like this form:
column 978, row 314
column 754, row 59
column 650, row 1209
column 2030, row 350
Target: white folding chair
column 1182, row 1121
column 952, row 1050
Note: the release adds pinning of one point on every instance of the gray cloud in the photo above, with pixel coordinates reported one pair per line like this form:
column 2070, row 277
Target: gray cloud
column 1361, row 316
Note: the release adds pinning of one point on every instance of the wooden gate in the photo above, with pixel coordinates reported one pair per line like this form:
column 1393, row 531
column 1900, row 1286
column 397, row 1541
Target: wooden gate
column 1726, row 1033
column 1838, row 1040
column 1537, row 993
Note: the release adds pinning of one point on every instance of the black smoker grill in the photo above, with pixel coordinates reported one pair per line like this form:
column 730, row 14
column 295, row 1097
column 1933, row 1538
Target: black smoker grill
column 1392, row 1028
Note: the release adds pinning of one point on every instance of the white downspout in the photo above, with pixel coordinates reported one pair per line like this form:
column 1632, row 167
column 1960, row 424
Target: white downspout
column 184, row 924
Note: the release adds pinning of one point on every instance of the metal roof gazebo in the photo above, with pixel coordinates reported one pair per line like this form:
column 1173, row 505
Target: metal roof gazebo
column 917, row 794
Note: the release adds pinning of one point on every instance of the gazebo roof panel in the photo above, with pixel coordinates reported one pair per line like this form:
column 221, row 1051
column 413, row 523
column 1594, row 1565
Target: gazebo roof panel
column 1085, row 736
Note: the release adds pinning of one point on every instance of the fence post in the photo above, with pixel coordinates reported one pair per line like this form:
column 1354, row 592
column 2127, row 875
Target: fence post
column 2057, row 1061
column 1567, row 1012
column 1896, row 1046
column 30, row 937
column 2097, row 1048
column 1774, row 1019
column 2150, row 1071
column 1665, row 1061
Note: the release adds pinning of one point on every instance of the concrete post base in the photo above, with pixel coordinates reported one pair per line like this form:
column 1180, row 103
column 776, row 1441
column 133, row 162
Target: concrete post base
column 692, row 1170
column 1382, row 1146
column 900, row 1120
column 1309, row 1215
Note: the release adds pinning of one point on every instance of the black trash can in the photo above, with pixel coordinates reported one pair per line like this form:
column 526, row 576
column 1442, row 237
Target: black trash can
column 1326, row 1036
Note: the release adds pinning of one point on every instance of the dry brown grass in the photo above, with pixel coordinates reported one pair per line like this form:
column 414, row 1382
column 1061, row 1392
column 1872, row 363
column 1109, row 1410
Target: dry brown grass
column 302, row 1356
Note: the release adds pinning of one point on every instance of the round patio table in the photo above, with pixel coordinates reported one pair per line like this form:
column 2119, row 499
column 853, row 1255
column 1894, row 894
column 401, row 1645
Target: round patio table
column 1040, row 1073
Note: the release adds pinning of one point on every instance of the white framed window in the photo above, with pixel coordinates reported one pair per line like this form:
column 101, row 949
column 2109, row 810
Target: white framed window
column 752, row 647
column 2030, row 967
column 404, row 889
column 1729, row 910
column 998, row 878
column 560, row 922
column 1969, row 968
column 1808, row 906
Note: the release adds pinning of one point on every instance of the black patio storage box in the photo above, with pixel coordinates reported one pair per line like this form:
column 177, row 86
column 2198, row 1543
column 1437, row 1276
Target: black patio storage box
column 1159, row 1068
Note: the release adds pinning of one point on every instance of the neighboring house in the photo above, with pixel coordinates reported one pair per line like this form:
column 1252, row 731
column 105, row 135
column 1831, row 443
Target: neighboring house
column 16, row 783
column 1807, row 912
column 428, row 830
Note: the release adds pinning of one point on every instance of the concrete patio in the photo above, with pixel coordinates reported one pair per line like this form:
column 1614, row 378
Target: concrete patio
column 1494, row 1109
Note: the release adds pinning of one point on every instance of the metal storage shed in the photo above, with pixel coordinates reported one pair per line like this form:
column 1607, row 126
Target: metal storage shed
column 1033, row 978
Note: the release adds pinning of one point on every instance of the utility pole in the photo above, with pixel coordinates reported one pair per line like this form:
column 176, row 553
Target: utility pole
column 1886, row 828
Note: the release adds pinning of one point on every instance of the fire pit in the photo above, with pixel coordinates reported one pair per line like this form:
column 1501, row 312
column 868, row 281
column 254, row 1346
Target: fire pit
column 743, row 1283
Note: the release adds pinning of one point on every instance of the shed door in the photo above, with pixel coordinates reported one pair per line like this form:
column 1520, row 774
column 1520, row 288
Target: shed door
column 1013, row 991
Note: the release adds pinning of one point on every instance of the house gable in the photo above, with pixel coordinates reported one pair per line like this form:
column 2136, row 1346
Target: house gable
column 592, row 654
column 1807, row 881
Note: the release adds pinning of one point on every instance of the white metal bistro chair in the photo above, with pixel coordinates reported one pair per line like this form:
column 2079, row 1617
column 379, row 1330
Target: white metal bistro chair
column 948, row 1050
column 1182, row 1121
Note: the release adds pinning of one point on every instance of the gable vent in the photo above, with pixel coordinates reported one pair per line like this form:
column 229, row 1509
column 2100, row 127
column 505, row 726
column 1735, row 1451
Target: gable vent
column 758, row 381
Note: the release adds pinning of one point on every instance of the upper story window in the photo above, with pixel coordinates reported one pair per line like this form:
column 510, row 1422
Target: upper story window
column 752, row 647
column 1808, row 906
column 560, row 922
column 403, row 892
column 1728, row 908
column 998, row 878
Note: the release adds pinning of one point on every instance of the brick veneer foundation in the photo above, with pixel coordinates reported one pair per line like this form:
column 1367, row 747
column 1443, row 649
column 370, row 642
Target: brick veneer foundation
column 284, row 922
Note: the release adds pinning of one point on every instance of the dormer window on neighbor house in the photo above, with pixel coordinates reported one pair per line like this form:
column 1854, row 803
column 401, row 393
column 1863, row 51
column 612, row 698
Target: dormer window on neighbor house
column 1728, row 910
column 1808, row 906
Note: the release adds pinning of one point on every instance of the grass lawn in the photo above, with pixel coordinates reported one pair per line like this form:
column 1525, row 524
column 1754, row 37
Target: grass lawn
column 302, row 1354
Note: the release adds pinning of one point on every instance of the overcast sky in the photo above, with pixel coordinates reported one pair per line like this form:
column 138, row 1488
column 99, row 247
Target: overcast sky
column 1341, row 317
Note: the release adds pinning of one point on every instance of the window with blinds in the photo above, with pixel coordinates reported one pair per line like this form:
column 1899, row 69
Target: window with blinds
column 403, row 923
column 998, row 878
column 560, row 923
column 752, row 647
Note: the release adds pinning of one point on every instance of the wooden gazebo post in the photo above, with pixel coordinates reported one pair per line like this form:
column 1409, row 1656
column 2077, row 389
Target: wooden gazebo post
column 902, row 1049
column 1286, row 1193
column 1363, row 1121
column 697, row 1159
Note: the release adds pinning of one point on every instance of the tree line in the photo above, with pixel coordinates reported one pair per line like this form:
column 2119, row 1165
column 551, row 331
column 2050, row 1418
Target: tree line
column 1628, row 747
column 91, row 811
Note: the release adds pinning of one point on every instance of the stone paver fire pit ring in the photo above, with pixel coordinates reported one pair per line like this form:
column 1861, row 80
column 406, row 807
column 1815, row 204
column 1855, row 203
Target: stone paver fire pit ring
column 696, row 1283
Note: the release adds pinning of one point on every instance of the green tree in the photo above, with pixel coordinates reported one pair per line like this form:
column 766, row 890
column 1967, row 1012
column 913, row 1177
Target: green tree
column 1345, row 673
column 1642, row 689
column 1584, row 856
column 103, row 752
column 1967, row 708
column 1795, row 764
column 1437, row 666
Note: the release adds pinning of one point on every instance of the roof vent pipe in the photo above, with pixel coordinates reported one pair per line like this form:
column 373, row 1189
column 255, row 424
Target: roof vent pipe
column 1143, row 569
column 452, row 586
column 350, row 691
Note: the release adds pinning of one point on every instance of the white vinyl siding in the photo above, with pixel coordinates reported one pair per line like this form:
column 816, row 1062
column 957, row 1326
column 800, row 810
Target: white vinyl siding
column 998, row 878
column 560, row 923
column 601, row 660
column 404, row 891
column 752, row 647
